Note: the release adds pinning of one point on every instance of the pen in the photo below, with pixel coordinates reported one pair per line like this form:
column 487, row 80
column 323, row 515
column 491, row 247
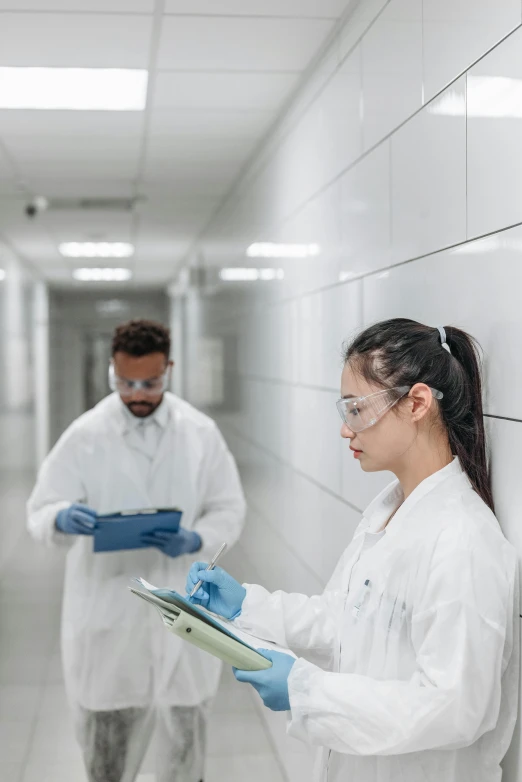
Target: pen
column 210, row 567
column 362, row 596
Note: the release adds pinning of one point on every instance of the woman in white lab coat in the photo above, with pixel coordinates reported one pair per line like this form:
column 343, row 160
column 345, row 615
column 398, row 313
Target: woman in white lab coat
column 407, row 664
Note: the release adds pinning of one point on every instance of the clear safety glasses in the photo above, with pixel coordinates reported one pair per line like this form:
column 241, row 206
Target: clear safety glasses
column 126, row 387
column 361, row 412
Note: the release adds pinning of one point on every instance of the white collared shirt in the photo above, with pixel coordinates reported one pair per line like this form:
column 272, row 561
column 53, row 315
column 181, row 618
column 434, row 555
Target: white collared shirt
column 144, row 435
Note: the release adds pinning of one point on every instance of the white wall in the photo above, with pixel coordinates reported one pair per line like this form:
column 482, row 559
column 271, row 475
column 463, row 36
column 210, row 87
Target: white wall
column 394, row 157
column 17, row 435
column 17, row 408
column 41, row 378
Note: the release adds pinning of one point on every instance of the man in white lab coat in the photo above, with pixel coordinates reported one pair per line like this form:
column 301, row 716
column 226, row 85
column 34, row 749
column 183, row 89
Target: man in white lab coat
column 141, row 447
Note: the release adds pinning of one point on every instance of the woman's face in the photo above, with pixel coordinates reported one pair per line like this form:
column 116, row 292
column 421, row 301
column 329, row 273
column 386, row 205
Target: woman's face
column 383, row 445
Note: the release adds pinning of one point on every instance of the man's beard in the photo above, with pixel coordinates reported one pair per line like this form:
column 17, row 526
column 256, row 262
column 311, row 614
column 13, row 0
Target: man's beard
column 142, row 409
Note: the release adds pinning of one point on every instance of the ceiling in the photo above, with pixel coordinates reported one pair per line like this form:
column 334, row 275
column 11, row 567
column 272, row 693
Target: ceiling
column 219, row 73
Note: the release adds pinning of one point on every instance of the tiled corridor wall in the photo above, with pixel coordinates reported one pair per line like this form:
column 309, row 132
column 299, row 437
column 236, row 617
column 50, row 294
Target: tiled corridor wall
column 402, row 159
column 17, row 429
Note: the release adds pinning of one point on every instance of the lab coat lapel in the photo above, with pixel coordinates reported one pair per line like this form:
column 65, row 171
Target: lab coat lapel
column 166, row 445
column 126, row 456
column 408, row 522
column 177, row 467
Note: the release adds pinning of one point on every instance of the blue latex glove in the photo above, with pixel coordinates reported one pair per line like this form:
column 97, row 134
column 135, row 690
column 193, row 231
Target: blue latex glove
column 173, row 544
column 272, row 684
column 76, row 520
column 221, row 593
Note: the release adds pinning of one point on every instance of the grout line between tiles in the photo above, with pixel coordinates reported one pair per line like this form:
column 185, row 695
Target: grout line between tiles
column 299, row 208
column 265, row 517
column 263, row 306
column 290, row 466
column 503, row 418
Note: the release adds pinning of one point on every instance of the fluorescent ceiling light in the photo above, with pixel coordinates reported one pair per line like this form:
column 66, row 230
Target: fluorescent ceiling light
column 96, row 249
column 275, row 250
column 487, row 97
column 102, row 275
column 80, row 89
column 250, row 275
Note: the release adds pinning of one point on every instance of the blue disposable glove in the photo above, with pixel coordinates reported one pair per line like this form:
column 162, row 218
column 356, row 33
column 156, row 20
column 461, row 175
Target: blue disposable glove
column 76, row 520
column 272, row 684
column 220, row 593
column 173, row 544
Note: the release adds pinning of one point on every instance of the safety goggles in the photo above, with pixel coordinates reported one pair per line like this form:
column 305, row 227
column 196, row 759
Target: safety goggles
column 126, row 387
column 364, row 411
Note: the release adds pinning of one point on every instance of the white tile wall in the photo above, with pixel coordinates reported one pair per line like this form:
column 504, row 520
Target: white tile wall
column 392, row 195
column 366, row 210
column 495, row 139
column 461, row 31
column 326, row 321
column 428, row 163
column 474, row 287
column 392, row 69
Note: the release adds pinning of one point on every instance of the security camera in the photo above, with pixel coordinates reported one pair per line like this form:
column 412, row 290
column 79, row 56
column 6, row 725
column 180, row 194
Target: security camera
column 37, row 205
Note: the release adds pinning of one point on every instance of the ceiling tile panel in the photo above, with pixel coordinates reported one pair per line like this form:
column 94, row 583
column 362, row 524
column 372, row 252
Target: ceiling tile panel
column 256, row 91
column 159, row 216
column 85, row 225
column 210, row 124
column 55, row 187
column 320, row 8
column 72, row 148
column 119, row 124
column 73, row 6
column 75, row 40
column 239, row 44
column 72, row 169
column 201, row 151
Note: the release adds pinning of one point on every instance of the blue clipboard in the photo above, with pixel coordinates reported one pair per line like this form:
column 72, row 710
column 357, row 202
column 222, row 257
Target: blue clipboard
column 122, row 531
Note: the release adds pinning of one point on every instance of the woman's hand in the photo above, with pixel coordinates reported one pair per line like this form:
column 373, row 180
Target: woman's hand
column 271, row 684
column 220, row 593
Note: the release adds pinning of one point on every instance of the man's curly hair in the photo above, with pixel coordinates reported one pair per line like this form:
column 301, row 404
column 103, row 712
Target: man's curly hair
column 140, row 338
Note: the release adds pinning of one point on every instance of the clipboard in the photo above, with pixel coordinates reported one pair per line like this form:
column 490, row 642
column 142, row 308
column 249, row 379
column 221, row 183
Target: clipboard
column 202, row 629
column 122, row 531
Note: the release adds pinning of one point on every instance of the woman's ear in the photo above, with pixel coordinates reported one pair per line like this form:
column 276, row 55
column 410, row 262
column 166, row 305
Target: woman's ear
column 421, row 400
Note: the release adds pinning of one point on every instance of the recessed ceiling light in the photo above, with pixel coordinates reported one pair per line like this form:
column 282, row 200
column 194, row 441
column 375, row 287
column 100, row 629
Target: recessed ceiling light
column 96, row 249
column 78, row 89
column 276, row 250
column 250, row 275
column 102, row 275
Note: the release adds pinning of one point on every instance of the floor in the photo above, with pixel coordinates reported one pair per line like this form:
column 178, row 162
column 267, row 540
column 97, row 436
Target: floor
column 36, row 738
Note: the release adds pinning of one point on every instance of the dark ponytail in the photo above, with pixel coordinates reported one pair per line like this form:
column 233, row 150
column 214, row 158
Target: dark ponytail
column 402, row 352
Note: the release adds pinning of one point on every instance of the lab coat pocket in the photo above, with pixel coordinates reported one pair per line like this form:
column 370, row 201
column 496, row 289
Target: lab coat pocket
column 391, row 636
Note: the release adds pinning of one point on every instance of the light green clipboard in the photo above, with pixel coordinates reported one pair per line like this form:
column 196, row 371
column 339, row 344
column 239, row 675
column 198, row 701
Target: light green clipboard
column 207, row 635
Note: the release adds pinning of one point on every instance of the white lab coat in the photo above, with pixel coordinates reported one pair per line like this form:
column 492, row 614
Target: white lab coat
column 116, row 652
column 412, row 677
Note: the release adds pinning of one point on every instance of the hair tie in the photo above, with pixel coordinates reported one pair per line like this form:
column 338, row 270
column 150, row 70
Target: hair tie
column 442, row 332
